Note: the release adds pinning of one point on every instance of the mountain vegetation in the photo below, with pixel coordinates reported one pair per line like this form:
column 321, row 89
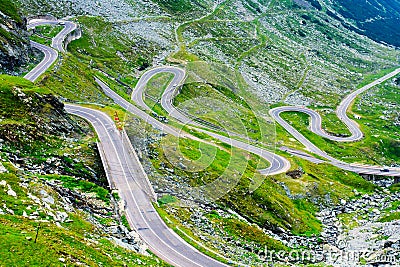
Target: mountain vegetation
column 242, row 57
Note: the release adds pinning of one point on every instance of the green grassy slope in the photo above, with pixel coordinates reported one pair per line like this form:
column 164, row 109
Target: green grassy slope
column 292, row 48
column 35, row 131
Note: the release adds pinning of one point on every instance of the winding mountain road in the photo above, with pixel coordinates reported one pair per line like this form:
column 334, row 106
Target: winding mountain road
column 341, row 112
column 57, row 42
column 344, row 106
column 278, row 164
column 315, row 126
column 128, row 176
column 138, row 93
column 126, row 171
column 133, row 187
column 50, row 54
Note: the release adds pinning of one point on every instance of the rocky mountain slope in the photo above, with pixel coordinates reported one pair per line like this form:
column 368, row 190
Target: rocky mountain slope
column 263, row 53
column 53, row 191
column 15, row 49
column 377, row 19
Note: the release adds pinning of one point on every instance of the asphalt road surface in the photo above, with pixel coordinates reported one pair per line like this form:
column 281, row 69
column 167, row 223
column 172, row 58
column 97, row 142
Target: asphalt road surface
column 138, row 112
column 344, row 106
column 133, row 187
column 127, row 174
column 356, row 134
column 138, row 93
column 58, row 41
column 357, row 168
column 50, row 55
column 279, row 164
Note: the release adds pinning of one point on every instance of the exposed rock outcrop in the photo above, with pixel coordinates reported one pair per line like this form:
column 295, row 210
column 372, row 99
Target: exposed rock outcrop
column 15, row 48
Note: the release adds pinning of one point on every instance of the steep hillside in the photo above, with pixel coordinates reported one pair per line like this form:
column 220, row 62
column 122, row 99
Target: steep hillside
column 15, row 48
column 54, row 194
column 241, row 58
column 377, row 19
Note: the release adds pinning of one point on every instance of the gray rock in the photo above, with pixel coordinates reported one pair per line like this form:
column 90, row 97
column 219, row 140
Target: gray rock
column 48, row 200
column 60, row 216
column 182, row 166
column 2, row 168
column 11, row 192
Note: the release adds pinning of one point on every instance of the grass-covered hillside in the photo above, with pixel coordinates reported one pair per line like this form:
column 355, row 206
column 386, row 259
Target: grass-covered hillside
column 241, row 58
column 9, row 9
